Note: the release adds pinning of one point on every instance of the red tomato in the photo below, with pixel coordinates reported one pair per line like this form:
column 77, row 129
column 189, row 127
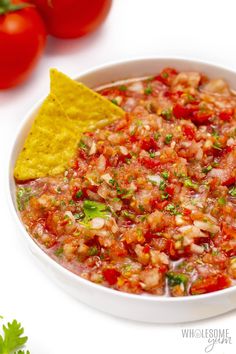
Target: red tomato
column 166, row 76
column 201, row 117
column 189, row 131
column 209, row 284
column 229, row 181
column 149, row 162
column 22, row 40
column 181, row 111
column 148, row 144
column 72, row 18
column 111, row 275
column 226, row 115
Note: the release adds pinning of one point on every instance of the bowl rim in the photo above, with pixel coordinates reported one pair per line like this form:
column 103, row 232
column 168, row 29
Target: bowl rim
column 57, row 266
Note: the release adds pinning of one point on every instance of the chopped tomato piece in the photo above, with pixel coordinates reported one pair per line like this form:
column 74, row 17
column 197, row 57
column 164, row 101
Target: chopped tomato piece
column 111, row 275
column 146, row 248
column 229, row 181
column 149, row 162
column 209, row 284
column 166, row 76
column 148, row 144
column 201, row 117
column 188, row 131
column 226, row 115
column 181, row 111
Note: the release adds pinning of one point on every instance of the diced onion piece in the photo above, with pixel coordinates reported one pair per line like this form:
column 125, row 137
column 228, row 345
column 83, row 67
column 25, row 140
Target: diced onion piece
column 207, row 226
column 179, row 220
column 106, row 177
column 136, row 87
column 97, row 223
column 124, row 150
column 93, row 148
column 196, row 248
column 101, row 163
column 155, row 178
column 217, row 172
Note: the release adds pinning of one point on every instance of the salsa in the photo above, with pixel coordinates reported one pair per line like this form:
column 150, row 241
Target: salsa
column 148, row 204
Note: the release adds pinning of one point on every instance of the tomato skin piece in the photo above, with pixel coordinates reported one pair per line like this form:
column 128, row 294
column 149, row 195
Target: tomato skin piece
column 72, row 18
column 166, row 76
column 149, row 162
column 181, row 111
column 111, row 275
column 226, row 115
column 148, row 144
column 201, row 117
column 229, row 181
column 189, row 132
column 210, row 284
column 22, row 41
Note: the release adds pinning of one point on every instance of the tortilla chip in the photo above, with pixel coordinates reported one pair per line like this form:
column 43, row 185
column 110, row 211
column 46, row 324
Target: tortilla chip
column 88, row 108
column 50, row 145
column 69, row 110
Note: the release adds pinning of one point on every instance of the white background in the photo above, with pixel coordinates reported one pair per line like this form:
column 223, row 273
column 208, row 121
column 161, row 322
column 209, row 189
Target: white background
column 55, row 322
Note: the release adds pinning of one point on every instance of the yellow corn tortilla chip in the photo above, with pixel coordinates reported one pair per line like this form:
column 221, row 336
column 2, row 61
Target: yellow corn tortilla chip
column 69, row 110
column 50, row 144
column 88, row 108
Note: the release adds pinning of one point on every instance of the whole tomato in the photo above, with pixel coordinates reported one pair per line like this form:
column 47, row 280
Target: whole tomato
column 22, row 40
column 72, row 18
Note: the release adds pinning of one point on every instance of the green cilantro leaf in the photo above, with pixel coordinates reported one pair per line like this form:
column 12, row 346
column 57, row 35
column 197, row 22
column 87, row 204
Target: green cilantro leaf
column 148, row 90
column 12, row 338
column 221, row 201
column 113, row 100
column 167, row 113
column 22, row 197
column 176, row 279
column 217, row 146
column 172, row 209
column 190, row 184
column 207, row 169
column 165, row 174
column 93, row 210
column 168, row 138
column 122, row 88
column 232, row 191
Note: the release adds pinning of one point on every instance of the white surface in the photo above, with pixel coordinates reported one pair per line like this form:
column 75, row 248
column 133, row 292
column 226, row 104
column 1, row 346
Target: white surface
column 55, row 322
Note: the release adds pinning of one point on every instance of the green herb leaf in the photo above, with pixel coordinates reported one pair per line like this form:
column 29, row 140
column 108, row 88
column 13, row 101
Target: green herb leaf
column 152, row 154
column 217, row 146
column 114, row 101
column 82, row 145
column 93, row 251
column 168, row 138
column 165, row 174
column 22, row 197
column 59, row 252
column 190, row 184
column 167, row 113
column 12, row 338
column 176, row 279
column 148, row 90
column 79, row 194
column 122, row 88
column 207, row 169
column 221, row 201
column 172, row 209
column 162, row 185
column 93, row 210
column 232, row 191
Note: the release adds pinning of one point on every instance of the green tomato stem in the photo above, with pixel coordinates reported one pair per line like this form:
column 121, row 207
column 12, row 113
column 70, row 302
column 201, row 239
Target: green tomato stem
column 7, row 6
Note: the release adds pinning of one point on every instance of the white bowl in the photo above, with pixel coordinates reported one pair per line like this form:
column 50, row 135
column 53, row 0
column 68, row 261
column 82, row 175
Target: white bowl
column 136, row 307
